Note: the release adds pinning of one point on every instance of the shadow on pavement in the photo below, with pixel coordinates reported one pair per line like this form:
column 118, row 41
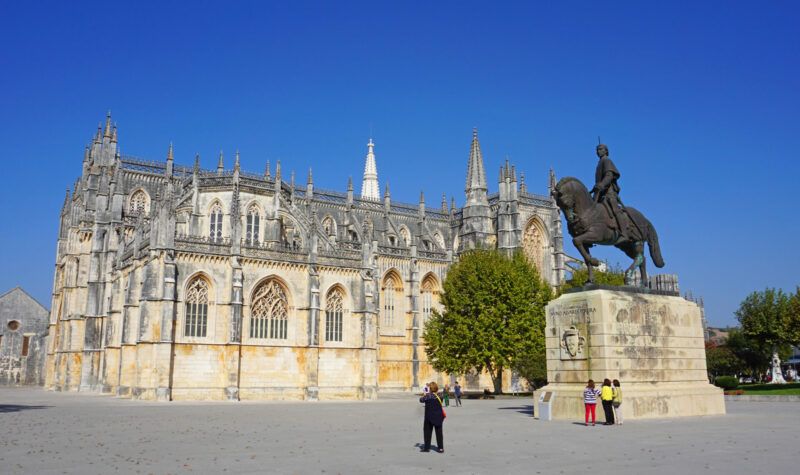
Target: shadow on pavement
column 527, row 409
column 17, row 408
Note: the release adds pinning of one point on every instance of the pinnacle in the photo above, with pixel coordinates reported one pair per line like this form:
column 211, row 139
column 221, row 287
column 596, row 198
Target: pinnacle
column 476, row 176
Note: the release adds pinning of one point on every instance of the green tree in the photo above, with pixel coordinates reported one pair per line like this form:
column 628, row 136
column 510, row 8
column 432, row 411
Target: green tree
column 613, row 276
column 532, row 366
column 753, row 355
column 493, row 314
column 770, row 319
column 722, row 361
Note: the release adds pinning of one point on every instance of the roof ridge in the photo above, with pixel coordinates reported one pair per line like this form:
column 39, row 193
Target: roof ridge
column 19, row 287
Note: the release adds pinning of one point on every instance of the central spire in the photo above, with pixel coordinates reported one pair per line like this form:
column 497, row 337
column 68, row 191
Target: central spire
column 369, row 186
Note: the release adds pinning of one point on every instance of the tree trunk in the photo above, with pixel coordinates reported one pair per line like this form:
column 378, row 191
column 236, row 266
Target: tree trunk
column 497, row 379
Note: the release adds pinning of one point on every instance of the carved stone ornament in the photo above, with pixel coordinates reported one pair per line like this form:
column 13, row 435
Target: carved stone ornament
column 572, row 344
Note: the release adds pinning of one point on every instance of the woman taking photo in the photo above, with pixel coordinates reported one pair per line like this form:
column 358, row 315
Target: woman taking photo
column 434, row 417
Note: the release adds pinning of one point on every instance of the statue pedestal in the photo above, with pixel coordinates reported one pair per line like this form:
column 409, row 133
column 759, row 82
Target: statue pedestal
column 652, row 343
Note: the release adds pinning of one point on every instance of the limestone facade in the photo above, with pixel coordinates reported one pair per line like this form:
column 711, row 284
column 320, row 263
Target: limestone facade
column 176, row 282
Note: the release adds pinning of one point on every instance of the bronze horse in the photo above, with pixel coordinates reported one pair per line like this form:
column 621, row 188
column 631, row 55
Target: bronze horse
column 589, row 223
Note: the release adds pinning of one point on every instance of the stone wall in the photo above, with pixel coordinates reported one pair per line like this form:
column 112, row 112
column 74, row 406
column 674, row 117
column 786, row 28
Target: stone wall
column 23, row 331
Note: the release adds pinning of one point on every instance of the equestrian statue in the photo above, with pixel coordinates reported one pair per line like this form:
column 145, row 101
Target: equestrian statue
column 600, row 218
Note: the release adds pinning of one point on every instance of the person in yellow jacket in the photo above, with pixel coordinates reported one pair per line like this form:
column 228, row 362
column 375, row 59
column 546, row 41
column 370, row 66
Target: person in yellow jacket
column 616, row 402
column 607, row 396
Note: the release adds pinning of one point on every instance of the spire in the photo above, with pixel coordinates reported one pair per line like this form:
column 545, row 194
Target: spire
column 278, row 172
column 369, row 186
column 196, row 163
column 349, row 183
column 452, row 203
column 310, row 177
column 107, row 131
column 421, row 196
column 86, row 154
column 444, row 203
column 98, row 136
column 386, row 193
column 170, row 156
column 476, row 176
column 114, row 134
column 552, row 184
column 522, row 186
column 236, row 161
column 267, row 174
column 220, row 163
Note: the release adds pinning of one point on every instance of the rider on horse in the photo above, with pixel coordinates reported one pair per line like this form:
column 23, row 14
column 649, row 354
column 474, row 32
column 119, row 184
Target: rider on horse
column 606, row 192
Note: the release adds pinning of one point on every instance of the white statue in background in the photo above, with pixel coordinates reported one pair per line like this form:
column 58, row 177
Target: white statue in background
column 777, row 375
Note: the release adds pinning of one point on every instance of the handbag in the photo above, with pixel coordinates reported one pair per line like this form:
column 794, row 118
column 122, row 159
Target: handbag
column 444, row 414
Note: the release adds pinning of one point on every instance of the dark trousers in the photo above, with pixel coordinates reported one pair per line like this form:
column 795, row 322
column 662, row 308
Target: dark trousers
column 458, row 400
column 427, row 428
column 609, row 411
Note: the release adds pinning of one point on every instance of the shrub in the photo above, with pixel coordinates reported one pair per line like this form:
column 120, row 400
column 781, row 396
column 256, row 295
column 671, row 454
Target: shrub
column 726, row 382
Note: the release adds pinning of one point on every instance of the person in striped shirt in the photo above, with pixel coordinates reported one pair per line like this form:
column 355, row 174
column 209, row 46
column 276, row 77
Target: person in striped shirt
column 590, row 394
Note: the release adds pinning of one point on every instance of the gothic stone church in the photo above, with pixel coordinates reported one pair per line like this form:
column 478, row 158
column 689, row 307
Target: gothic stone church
column 178, row 282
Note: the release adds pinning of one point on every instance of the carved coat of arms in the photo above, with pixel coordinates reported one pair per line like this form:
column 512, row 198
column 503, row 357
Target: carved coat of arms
column 572, row 344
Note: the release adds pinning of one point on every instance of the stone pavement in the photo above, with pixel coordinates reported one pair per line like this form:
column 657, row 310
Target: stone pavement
column 45, row 432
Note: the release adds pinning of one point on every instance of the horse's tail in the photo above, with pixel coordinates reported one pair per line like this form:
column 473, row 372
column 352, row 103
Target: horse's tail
column 655, row 249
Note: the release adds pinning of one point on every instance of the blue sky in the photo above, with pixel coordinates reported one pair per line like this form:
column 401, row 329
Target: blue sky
column 698, row 102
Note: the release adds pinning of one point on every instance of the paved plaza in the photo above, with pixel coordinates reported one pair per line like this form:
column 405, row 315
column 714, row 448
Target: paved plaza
column 45, row 432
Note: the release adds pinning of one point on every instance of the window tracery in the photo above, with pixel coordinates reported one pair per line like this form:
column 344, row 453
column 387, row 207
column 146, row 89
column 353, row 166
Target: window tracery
column 392, row 298
column 534, row 244
column 270, row 312
column 196, row 321
column 215, row 222
column 334, row 311
column 139, row 203
column 430, row 297
column 253, row 223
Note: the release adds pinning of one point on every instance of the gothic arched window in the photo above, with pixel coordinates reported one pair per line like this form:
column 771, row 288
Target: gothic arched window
column 430, row 297
column 392, row 298
column 253, row 220
column 270, row 312
column 535, row 245
column 138, row 203
column 196, row 323
column 406, row 236
column 334, row 310
column 215, row 222
column 329, row 226
column 439, row 240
